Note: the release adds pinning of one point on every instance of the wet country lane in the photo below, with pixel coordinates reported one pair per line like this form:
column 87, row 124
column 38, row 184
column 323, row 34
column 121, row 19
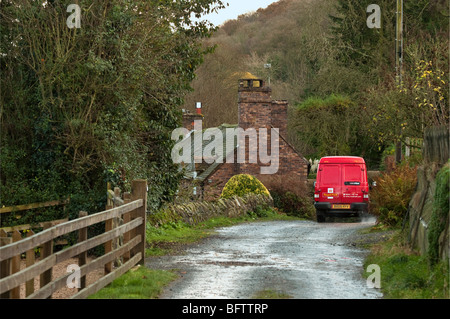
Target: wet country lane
column 299, row 259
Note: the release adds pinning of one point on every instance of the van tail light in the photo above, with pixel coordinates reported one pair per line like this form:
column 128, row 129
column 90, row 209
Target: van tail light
column 316, row 195
column 366, row 196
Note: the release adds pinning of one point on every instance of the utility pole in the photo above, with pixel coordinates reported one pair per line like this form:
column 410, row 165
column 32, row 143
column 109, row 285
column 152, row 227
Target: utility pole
column 399, row 43
column 399, row 66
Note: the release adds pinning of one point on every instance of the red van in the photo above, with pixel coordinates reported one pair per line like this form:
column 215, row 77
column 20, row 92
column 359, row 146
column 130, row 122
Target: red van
column 341, row 187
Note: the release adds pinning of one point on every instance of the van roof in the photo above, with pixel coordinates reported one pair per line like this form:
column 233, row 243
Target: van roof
column 342, row 159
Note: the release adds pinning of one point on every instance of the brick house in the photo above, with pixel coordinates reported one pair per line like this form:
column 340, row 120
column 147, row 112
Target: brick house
column 256, row 111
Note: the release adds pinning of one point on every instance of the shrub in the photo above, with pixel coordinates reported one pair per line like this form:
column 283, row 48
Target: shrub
column 262, row 211
column 391, row 197
column 290, row 195
column 241, row 185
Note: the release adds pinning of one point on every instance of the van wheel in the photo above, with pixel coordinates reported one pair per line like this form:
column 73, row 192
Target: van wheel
column 320, row 217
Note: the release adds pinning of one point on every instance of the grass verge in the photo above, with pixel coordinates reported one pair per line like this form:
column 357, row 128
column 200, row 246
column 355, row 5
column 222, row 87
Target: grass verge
column 407, row 275
column 138, row 283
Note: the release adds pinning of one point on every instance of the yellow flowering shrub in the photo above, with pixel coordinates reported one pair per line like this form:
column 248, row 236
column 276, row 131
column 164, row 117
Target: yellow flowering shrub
column 241, row 185
column 431, row 94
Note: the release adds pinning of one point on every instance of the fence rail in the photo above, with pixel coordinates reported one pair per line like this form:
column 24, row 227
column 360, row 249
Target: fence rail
column 132, row 249
column 19, row 208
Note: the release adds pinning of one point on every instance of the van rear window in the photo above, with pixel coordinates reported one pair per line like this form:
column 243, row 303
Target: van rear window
column 330, row 175
column 352, row 174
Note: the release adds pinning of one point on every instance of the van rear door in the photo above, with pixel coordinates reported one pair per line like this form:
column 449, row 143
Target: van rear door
column 330, row 182
column 353, row 183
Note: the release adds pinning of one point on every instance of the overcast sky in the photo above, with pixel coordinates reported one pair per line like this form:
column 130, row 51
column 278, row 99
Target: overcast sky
column 236, row 8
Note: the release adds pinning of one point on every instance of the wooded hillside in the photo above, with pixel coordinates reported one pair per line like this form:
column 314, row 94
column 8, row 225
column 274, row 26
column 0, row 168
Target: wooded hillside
column 338, row 75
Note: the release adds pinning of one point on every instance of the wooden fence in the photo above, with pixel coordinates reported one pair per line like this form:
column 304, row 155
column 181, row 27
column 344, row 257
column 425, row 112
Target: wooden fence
column 413, row 145
column 436, row 144
column 4, row 231
column 131, row 250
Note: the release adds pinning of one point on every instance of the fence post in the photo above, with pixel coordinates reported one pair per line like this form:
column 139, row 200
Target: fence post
column 30, row 256
column 116, row 223
column 5, row 265
column 108, row 227
column 82, row 258
column 408, row 147
column 126, row 220
column 139, row 191
column 15, row 267
column 46, row 251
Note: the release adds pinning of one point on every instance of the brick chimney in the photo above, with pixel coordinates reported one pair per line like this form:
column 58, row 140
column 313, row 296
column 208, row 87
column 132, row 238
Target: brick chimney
column 256, row 108
column 254, row 104
column 189, row 118
column 279, row 113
